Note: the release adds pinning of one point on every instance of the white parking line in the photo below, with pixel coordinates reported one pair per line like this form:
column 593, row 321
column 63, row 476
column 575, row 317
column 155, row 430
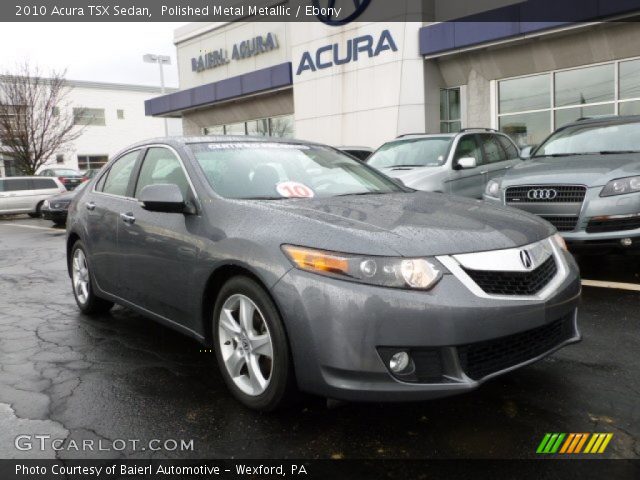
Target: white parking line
column 617, row 285
column 29, row 226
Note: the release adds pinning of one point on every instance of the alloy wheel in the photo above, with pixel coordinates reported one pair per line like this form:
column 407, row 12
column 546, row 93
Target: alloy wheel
column 245, row 344
column 80, row 275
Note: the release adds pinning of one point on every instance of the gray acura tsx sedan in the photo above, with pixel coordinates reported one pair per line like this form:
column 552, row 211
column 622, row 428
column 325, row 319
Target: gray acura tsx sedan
column 306, row 270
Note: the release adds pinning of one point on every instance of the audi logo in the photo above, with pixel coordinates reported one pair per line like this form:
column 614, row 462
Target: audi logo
column 542, row 194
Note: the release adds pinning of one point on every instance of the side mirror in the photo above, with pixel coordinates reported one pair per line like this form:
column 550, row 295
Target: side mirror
column 466, row 162
column 162, row 197
column 525, row 153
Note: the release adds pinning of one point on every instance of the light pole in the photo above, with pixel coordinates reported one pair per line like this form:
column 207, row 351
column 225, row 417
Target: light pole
column 160, row 60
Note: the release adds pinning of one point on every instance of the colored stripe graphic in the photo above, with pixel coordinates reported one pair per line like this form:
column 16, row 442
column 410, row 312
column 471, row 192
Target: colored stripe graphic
column 573, row 443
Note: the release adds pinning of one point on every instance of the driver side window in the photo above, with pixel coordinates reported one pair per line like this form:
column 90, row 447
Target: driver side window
column 468, row 147
column 162, row 166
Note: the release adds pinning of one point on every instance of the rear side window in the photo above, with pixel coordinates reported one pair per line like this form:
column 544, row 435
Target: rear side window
column 509, row 147
column 162, row 166
column 17, row 184
column 44, row 183
column 493, row 151
column 119, row 175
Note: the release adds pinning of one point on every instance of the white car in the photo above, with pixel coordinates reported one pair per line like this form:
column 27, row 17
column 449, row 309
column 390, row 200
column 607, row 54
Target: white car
column 27, row 194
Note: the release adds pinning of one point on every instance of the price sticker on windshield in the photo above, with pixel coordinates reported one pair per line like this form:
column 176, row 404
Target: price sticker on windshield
column 294, row 190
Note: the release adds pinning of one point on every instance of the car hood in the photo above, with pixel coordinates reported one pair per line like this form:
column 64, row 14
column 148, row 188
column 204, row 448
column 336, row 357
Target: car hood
column 411, row 175
column 589, row 170
column 63, row 196
column 409, row 224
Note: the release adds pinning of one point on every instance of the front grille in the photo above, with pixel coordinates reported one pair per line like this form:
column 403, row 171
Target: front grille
column 515, row 283
column 613, row 224
column 484, row 358
column 563, row 194
column 563, row 224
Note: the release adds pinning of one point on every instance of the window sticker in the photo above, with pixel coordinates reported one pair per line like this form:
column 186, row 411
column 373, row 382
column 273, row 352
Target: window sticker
column 294, row 190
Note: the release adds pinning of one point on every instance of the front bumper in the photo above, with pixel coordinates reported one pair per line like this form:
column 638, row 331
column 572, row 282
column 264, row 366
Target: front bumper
column 58, row 216
column 584, row 237
column 340, row 332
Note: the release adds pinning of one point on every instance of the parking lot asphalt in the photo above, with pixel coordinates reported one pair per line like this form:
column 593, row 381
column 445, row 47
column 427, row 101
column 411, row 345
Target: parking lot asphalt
column 122, row 376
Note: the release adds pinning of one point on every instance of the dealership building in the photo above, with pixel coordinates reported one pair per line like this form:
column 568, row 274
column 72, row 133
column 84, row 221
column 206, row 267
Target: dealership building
column 111, row 116
column 366, row 83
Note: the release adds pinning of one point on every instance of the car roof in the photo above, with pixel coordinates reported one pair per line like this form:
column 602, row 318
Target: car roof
column 24, row 177
column 605, row 120
column 351, row 147
column 186, row 140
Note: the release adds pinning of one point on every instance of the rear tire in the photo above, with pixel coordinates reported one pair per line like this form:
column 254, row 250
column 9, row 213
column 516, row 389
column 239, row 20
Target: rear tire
column 82, row 283
column 251, row 346
column 38, row 212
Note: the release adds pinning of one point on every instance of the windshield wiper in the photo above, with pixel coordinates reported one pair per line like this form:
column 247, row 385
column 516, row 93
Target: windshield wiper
column 406, row 166
column 361, row 193
column 264, row 197
column 557, row 155
column 614, row 152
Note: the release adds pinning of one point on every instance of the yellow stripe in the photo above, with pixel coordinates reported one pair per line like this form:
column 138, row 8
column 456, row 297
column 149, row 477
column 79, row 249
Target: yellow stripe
column 596, row 446
column 615, row 285
column 594, row 437
column 567, row 442
column 584, row 439
column 605, row 443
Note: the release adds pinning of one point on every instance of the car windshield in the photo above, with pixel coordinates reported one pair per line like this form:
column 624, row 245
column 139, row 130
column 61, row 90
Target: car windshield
column 592, row 139
column 255, row 170
column 418, row 152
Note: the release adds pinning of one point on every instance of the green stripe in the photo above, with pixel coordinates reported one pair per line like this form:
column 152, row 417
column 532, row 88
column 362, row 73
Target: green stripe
column 556, row 447
column 543, row 443
column 550, row 444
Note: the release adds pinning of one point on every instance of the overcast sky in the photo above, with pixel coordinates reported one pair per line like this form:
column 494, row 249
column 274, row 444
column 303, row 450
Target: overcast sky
column 104, row 52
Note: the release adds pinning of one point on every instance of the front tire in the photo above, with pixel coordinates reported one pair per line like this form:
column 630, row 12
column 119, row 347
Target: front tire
column 82, row 283
column 251, row 346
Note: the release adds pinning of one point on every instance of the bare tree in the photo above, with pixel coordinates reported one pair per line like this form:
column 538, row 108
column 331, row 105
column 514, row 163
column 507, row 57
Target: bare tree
column 36, row 121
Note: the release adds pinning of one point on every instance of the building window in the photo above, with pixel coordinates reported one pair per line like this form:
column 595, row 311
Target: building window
column 120, row 114
column 530, row 108
column 450, row 110
column 268, row 127
column 89, row 116
column 91, row 162
column 59, row 158
column 55, row 111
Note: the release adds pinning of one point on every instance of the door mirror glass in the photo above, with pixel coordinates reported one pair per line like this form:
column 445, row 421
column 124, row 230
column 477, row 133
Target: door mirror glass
column 467, row 162
column 525, row 153
column 162, row 197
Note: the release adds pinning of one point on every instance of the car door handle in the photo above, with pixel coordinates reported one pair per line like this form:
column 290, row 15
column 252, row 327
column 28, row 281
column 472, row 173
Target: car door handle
column 128, row 218
column 90, row 206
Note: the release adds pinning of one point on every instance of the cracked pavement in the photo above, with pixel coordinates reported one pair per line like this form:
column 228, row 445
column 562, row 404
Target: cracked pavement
column 123, row 377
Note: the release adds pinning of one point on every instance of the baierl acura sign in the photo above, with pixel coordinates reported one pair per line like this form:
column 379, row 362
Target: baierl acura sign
column 241, row 50
column 341, row 54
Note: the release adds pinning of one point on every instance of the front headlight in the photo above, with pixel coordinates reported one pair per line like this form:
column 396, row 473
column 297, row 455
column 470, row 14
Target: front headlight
column 560, row 242
column 493, row 189
column 412, row 273
column 620, row 186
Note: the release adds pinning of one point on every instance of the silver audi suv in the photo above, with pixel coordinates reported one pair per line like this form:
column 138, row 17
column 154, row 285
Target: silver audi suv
column 585, row 180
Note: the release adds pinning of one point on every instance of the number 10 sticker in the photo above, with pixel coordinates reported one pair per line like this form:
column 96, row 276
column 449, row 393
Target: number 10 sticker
column 294, row 190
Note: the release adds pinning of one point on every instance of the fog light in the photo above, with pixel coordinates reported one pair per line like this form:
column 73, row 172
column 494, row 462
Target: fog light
column 626, row 242
column 399, row 362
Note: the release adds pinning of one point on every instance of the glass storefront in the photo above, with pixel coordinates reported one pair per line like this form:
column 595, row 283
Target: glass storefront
column 268, row 127
column 529, row 108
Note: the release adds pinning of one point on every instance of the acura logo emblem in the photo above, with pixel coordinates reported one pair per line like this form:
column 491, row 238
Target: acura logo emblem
column 359, row 6
column 542, row 194
column 525, row 258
